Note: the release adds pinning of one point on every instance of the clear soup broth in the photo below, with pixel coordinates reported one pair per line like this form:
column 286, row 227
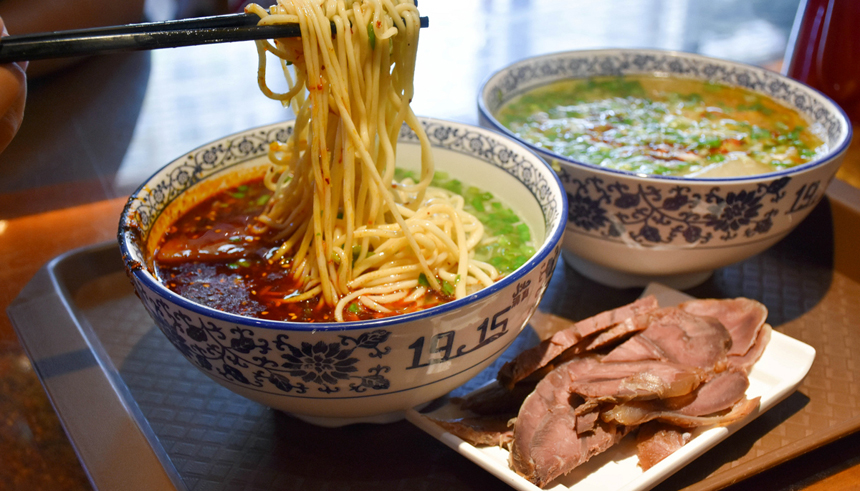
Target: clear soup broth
column 663, row 126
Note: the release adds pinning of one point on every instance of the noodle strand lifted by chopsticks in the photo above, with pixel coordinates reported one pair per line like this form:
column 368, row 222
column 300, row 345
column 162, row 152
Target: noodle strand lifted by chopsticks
column 345, row 225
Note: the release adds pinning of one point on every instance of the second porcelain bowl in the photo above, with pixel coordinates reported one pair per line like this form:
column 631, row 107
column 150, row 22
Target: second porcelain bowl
column 624, row 229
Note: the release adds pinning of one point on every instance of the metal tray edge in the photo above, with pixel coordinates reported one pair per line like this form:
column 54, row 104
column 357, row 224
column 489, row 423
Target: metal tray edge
column 75, row 370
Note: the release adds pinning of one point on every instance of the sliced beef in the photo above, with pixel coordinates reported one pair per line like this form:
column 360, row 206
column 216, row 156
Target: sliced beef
column 480, row 431
column 742, row 317
column 637, row 348
column 745, row 362
column 546, row 406
column 550, row 398
column 546, row 444
column 713, row 398
column 656, row 440
column 580, row 391
column 557, row 429
column 616, row 333
column 495, row 399
column 586, row 418
column 737, row 412
column 559, row 449
column 717, row 394
column 609, row 318
column 647, row 379
column 680, row 337
column 533, row 360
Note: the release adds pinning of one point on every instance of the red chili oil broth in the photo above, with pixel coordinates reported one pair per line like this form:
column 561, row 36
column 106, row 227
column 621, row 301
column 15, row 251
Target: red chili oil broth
column 208, row 256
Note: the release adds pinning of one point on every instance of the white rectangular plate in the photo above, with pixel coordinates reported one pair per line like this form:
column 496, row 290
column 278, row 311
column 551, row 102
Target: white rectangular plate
column 778, row 373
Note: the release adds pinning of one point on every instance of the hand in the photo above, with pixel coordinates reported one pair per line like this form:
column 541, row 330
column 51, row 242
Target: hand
column 13, row 93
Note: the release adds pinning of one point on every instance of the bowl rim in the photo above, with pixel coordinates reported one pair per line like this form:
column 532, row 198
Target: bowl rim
column 839, row 149
column 552, row 241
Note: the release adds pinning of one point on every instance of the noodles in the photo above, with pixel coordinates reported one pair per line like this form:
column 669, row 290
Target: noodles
column 347, row 229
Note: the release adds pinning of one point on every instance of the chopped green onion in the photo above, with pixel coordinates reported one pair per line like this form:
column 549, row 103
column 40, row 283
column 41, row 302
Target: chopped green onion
column 523, row 232
column 712, row 86
column 372, row 35
column 693, row 97
column 422, row 280
column 759, row 133
column 401, row 174
column 711, row 141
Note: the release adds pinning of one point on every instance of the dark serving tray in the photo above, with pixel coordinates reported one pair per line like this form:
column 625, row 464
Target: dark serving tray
column 141, row 417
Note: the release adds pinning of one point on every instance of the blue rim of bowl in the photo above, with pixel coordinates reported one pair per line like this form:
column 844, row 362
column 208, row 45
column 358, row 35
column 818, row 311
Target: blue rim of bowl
column 552, row 239
column 497, row 126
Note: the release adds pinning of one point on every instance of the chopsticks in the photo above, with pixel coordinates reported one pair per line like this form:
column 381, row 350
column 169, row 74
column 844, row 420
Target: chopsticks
column 145, row 36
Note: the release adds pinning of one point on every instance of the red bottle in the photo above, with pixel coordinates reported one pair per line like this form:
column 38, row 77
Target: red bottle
column 824, row 51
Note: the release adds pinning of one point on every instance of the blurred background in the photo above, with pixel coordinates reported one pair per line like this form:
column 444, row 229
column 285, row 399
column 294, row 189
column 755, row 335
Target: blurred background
column 463, row 32
column 149, row 108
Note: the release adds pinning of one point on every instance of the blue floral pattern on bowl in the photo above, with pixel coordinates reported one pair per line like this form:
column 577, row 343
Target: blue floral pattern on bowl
column 650, row 215
column 238, row 355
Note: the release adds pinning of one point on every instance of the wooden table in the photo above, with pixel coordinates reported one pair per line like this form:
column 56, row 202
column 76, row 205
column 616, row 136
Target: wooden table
column 95, row 131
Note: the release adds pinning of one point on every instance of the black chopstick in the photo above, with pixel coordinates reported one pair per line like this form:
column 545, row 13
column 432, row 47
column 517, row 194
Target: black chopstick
column 144, row 36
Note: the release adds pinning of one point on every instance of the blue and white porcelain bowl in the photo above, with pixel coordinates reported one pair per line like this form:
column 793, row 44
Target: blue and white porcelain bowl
column 624, row 229
column 369, row 371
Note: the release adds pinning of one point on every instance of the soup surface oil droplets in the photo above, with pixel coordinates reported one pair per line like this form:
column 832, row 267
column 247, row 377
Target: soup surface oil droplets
column 663, row 126
column 208, row 256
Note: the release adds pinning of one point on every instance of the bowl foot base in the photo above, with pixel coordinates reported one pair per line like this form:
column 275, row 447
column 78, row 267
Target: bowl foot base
column 338, row 422
column 619, row 279
column 380, row 419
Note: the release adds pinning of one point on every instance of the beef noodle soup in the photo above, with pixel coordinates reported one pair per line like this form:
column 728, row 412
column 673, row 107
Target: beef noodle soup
column 209, row 256
column 663, row 126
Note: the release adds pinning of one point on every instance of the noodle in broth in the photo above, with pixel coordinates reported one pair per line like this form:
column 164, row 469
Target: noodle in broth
column 350, row 230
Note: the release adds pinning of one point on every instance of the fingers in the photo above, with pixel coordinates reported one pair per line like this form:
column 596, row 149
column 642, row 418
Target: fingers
column 13, row 94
